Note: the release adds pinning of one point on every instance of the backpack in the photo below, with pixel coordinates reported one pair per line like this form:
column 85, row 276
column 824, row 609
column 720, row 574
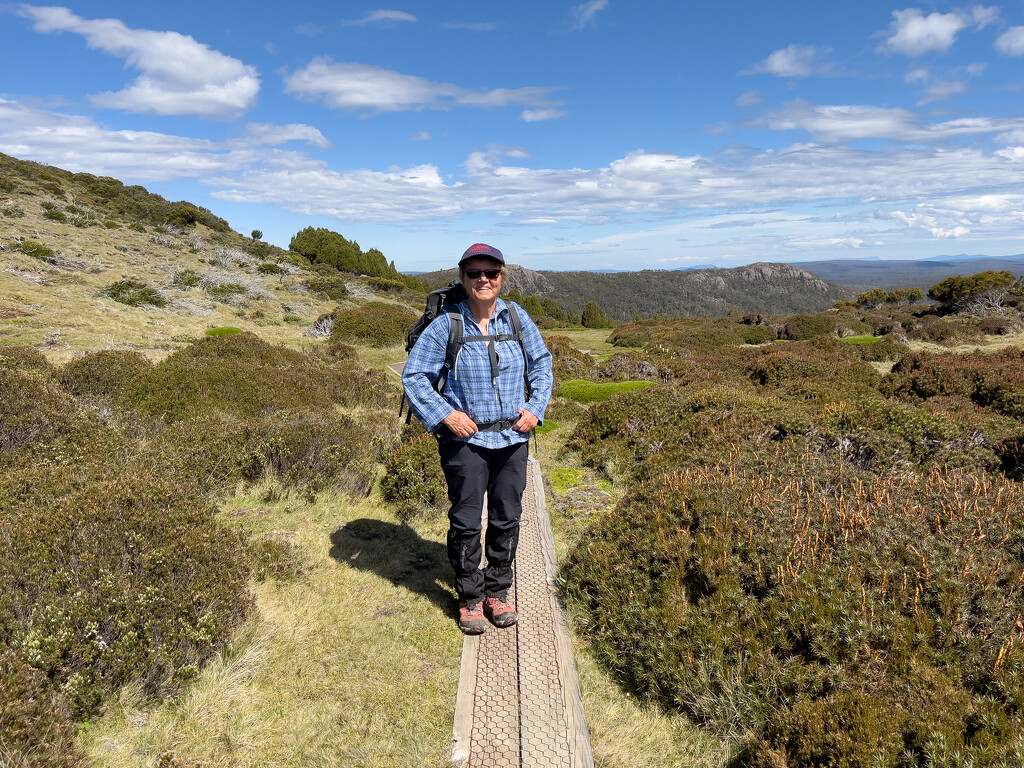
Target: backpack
column 446, row 300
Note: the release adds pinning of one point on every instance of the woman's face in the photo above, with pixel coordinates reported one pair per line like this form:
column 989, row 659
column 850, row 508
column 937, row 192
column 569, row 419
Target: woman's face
column 482, row 288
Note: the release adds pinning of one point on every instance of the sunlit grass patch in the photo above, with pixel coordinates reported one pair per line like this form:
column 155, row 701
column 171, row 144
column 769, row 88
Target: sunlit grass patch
column 866, row 339
column 583, row 391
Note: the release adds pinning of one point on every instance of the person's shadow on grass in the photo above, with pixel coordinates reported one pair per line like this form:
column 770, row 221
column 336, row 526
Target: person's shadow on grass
column 397, row 553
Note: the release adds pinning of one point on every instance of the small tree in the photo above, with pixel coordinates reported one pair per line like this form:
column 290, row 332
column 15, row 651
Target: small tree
column 257, row 234
column 975, row 294
column 904, row 296
column 592, row 316
column 873, row 298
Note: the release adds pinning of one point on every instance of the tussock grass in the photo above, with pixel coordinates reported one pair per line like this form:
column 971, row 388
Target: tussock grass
column 353, row 664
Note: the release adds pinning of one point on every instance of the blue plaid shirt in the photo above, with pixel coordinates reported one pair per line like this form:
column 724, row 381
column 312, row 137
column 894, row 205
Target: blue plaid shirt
column 470, row 388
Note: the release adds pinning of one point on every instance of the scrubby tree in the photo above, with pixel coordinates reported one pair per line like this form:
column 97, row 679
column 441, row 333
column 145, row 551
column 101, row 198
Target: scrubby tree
column 551, row 309
column 532, row 306
column 873, row 298
column 592, row 316
column 975, row 294
column 515, row 295
column 904, row 296
column 257, row 234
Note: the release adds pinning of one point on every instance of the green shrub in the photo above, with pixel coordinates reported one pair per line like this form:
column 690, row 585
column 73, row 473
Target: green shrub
column 184, row 338
column 34, row 720
column 386, row 285
column 803, row 327
column 186, row 278
column 134, row 293
column 121, row 574
column 37, row 251
column 222, row 331
column 333, row 287
column 269, row 268
column 12, row 211
column 111, row 224
column 105, row 373
column 32, row 408
column 839, row 619
column 413, row 479
column 55, row 214
column 241, row 375
column 375, row 324
column 138, row 227
column 24, row 359
column 583, row 391
column 225, row 291
column 292, row 318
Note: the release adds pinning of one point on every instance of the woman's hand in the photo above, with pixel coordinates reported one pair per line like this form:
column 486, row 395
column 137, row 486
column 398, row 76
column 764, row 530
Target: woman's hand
column 527, row 421
column 460, row 424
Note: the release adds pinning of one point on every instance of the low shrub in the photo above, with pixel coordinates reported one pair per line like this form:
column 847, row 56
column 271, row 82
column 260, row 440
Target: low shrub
column 12, row 211
column 331, row 286
column 134, row 293
column 55, row 214
column 23, row 358
column 121, row 574
column 292, row 318
column 567, row 361
column 225, row 292
column 226, row 330
column 836, row 618
column 105, row 373
column 186, row 278
column 35, row 721
column 37, row 251
column 413, row 479
column 386, row 285
column 271, row 557
column 241, row 375
column 997, row 325
column 269, row 268
column 375, row 324
column 32, row 408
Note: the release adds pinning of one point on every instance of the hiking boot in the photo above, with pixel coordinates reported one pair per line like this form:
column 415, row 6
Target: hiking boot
column 500, row 612
column 471, row 617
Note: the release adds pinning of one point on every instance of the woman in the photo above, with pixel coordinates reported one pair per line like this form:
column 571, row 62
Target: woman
column 482, row 418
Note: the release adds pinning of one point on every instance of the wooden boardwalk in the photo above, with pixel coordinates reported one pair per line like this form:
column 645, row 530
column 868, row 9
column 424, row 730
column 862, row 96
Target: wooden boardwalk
column 519, row 701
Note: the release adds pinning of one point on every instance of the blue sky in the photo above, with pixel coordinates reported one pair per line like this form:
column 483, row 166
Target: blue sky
column 600, row 135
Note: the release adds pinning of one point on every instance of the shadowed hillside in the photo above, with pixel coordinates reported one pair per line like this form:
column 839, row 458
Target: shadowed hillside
column 761, row 287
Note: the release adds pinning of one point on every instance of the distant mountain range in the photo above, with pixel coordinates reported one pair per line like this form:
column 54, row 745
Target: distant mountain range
column 864, row 274
column 761, row 287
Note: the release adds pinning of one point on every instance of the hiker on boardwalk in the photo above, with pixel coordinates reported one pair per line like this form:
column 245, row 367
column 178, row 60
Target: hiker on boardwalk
column 494, row 388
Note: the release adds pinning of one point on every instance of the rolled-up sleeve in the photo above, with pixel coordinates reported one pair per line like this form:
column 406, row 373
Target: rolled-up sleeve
column 421, row 372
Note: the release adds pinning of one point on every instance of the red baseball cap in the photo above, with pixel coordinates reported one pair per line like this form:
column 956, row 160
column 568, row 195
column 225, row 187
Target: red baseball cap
column 482, row 249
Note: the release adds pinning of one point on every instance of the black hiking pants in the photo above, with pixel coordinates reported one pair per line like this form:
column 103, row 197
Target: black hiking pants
column 472, row 471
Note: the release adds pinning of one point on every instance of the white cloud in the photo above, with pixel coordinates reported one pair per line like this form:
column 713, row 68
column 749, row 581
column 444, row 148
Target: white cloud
column 834, row 124
column 941, row 91
column 268, row 133
column 179, row 76
column 372, row 17
column 535, row 115
column 749, row 99
column 793, row 61
column 79, row 144
column 421, row 136
column 1011, row 42
column 308, row 29
column 914, row 34
column 362, row 87
column 480, row 26
column 586, row 13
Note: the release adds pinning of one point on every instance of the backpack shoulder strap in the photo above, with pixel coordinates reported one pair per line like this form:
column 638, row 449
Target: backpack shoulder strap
column 456, row 338
column 517, row 335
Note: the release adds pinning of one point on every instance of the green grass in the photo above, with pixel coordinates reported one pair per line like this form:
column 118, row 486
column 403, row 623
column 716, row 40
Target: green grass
column 583, row 391
column 222, row 331
column 868, row 339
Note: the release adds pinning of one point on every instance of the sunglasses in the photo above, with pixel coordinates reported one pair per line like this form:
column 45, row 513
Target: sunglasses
column 490, row 274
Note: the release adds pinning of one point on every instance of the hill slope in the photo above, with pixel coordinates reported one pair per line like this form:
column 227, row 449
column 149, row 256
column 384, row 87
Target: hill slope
column 760, row 287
